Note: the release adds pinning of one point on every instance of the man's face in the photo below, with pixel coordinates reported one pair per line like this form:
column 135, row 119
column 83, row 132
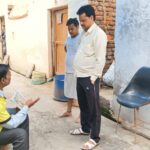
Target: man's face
column 6, row 80
column 86, row 21
column 73, row 30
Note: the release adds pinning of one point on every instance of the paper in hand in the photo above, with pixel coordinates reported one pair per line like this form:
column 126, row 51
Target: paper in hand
column 16, row 98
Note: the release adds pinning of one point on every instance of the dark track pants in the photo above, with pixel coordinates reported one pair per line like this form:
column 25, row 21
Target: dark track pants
column 18, row 137
column 88, row 97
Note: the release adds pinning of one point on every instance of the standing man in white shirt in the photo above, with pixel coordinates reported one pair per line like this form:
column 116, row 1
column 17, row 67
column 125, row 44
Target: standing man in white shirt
column 89, row 63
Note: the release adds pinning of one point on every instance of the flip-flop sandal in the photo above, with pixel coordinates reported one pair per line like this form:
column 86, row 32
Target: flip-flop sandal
column 78, row 131
column 89, row 145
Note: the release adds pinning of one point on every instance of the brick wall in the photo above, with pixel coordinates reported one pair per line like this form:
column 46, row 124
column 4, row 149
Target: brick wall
column 105, row 18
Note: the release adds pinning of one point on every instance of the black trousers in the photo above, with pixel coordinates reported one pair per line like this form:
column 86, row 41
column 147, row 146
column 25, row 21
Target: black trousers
column 88, row 97
column 18, row 137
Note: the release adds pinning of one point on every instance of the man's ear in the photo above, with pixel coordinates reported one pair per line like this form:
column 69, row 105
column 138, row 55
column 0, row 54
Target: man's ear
column 92, row 18
column 2, row 80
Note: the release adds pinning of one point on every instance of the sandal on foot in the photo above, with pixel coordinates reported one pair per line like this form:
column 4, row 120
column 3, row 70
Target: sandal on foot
column 89, row 145
column 78, row 131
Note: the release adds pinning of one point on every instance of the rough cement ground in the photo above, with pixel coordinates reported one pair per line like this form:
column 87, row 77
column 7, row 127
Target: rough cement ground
column 49, row 132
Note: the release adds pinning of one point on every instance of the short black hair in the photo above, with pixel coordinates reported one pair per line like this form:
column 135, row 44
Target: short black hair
column 72, row 21
column 88, row 10
column 3, row 70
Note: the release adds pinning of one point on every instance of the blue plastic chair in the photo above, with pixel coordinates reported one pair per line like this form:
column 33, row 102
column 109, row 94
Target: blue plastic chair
column 136, row 94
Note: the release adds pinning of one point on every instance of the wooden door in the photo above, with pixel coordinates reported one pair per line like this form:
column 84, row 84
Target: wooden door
column 60, row 35
column 2, row 25
column 1, row 51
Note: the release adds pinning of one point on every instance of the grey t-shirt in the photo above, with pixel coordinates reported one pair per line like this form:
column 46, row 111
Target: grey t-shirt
column 71, row 47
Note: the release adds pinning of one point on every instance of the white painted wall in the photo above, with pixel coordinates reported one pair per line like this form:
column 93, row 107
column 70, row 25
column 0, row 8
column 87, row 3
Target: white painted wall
column 3, row 7
column 74, row 5
column 132, row 40
column 28, row 40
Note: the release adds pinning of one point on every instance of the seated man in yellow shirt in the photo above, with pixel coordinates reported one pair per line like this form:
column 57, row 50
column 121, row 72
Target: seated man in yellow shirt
column 14, row 128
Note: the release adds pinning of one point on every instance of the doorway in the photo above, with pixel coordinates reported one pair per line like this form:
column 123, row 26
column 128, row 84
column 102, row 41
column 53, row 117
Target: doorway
column 59, row 35
column 2, row 38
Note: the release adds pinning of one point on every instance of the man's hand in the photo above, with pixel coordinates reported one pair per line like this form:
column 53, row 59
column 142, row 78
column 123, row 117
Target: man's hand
column 31, row 102
column 93, row 79
column 92, row 82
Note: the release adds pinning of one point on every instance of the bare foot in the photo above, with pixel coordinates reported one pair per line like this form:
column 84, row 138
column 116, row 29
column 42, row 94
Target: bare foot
column 66, row 114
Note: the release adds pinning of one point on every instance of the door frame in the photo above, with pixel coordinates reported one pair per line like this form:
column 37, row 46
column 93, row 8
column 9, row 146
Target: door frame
column 52, row 36
column 2, row 22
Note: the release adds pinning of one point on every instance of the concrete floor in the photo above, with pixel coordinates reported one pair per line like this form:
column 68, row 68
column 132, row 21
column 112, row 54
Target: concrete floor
column 107, row 93
column 49, row 132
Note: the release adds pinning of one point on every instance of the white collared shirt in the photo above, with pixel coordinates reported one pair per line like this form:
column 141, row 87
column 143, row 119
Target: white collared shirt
column 91, row 54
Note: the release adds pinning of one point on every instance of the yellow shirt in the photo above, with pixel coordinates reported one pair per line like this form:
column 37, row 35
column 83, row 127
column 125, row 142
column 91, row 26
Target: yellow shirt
column 4, row 115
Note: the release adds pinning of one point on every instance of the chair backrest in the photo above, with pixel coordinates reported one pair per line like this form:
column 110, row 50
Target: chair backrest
column 140, row 83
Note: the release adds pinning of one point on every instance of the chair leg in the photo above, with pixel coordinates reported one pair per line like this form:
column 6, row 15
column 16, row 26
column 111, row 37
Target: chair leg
column 118, row 118
column 135, row 124
column 139, row 122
